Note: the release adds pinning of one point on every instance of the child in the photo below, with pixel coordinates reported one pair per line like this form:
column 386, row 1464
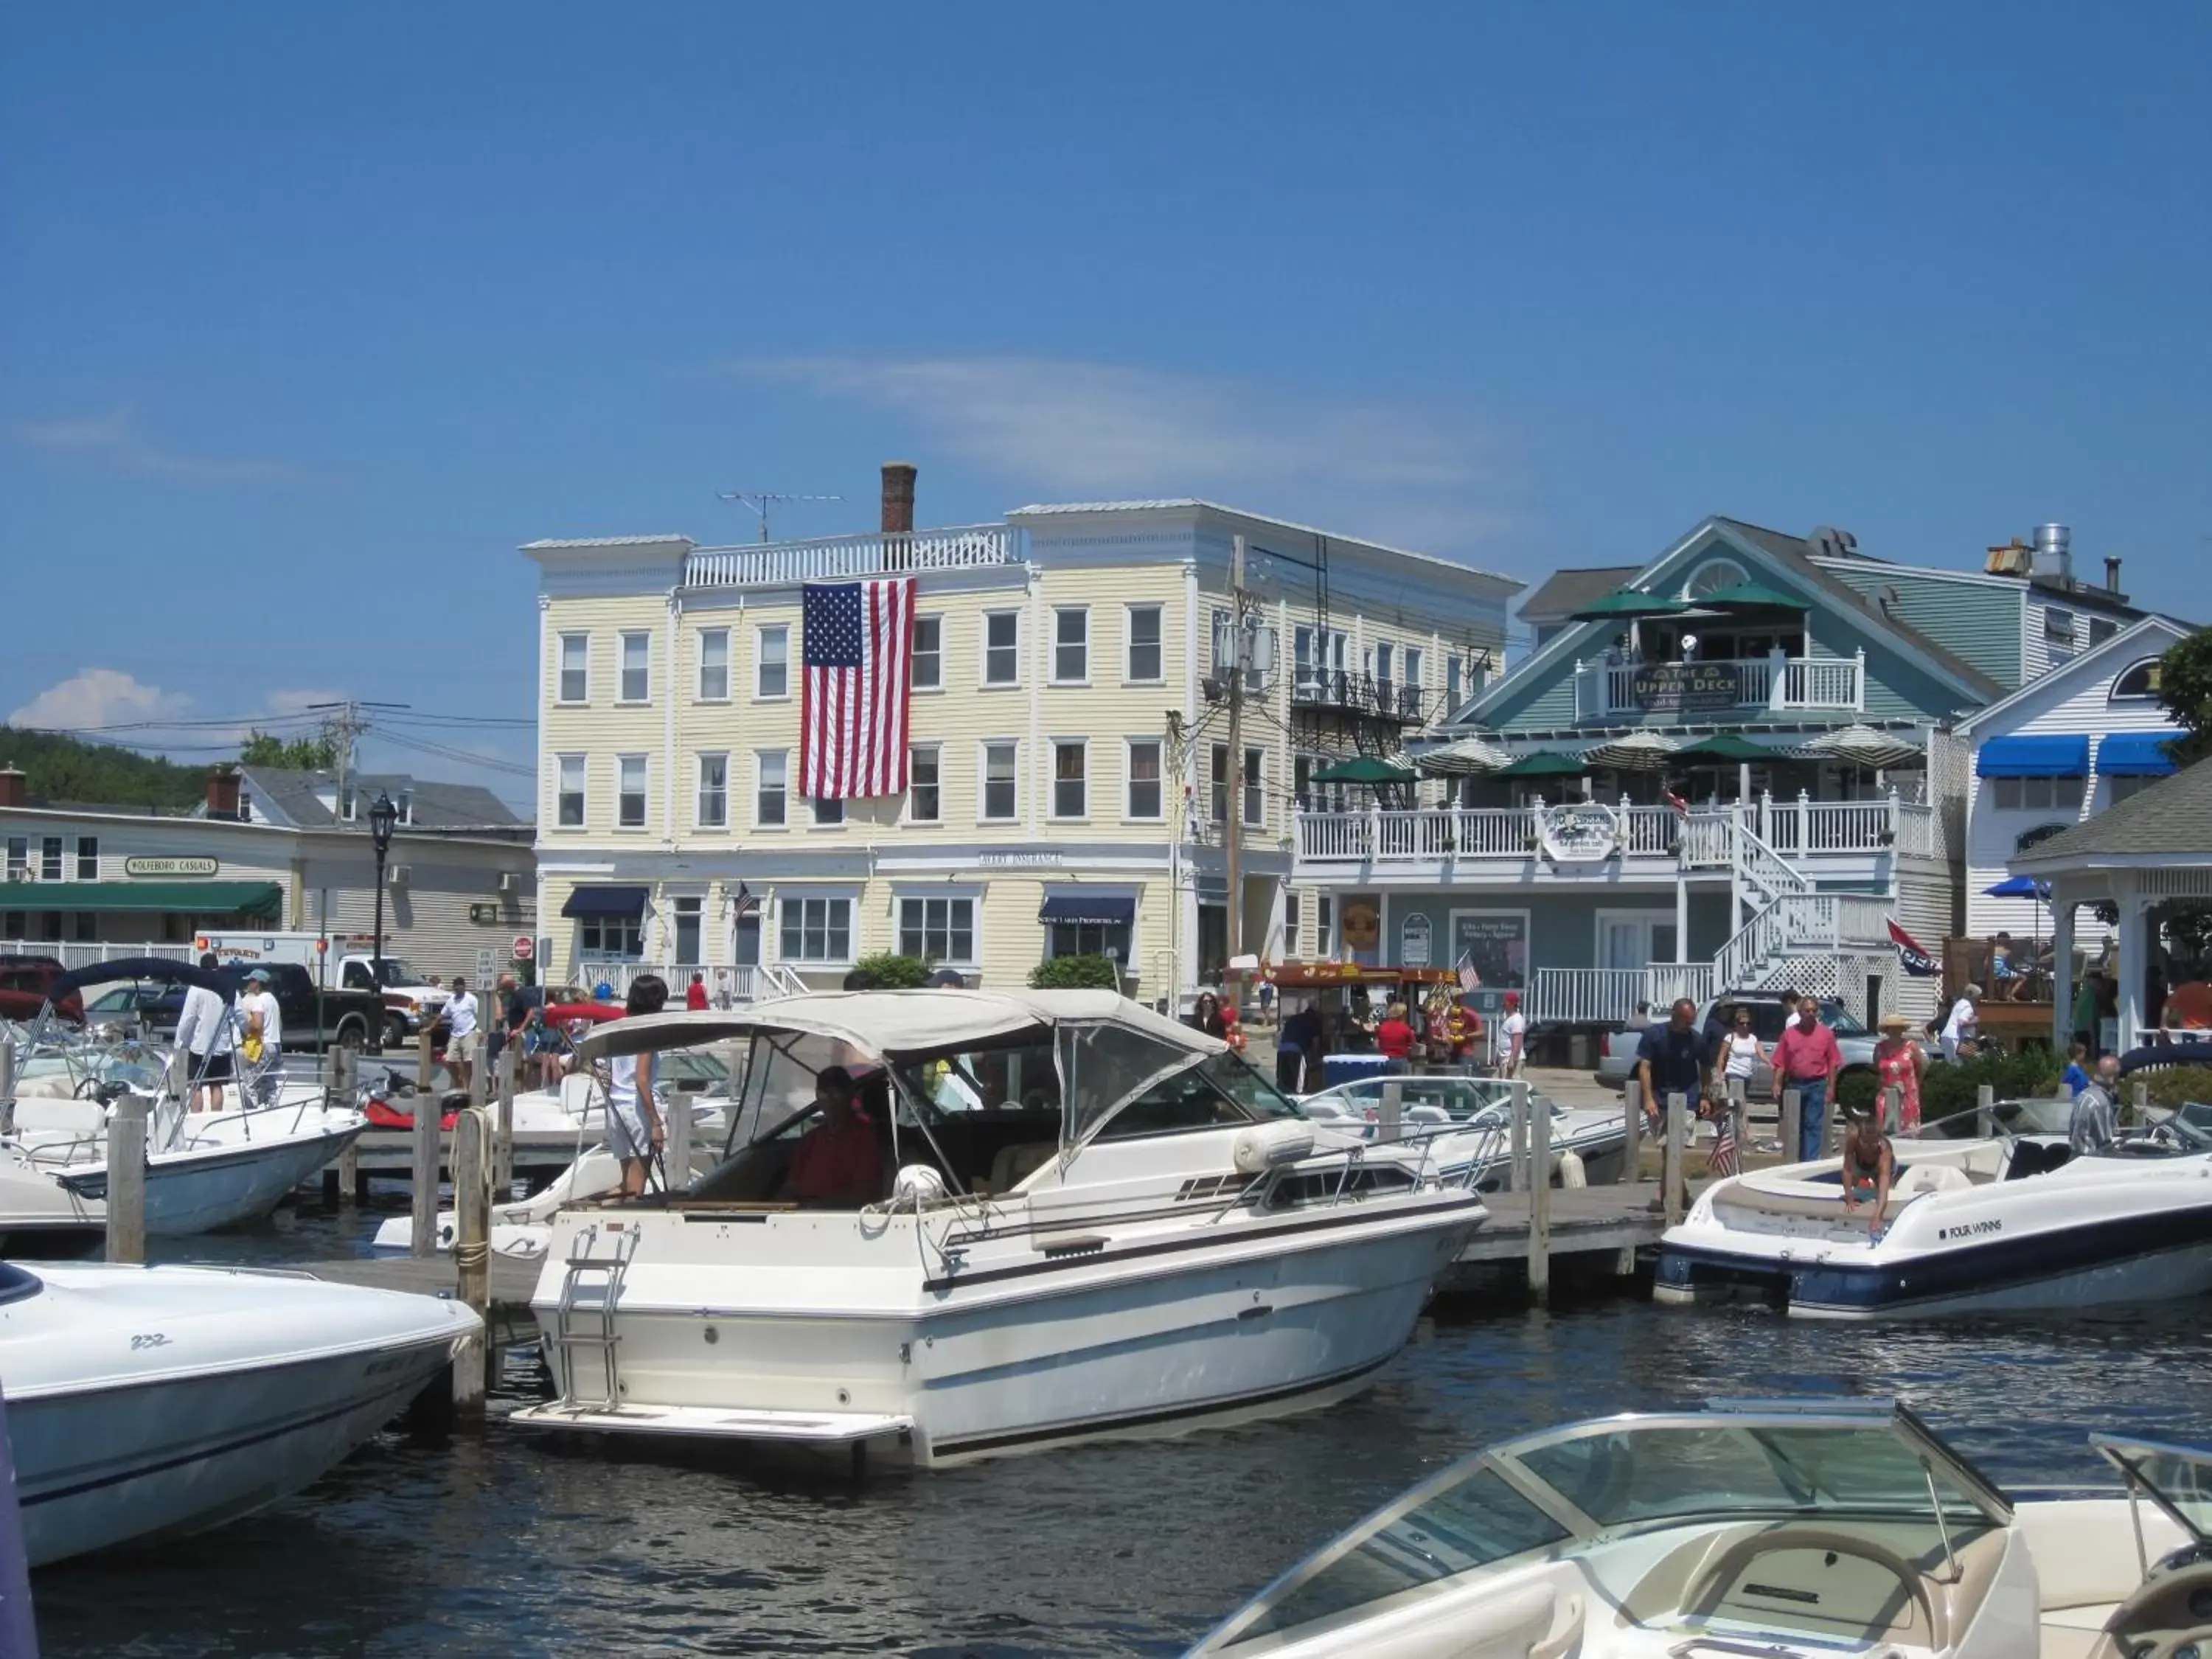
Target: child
column 2076, row 1075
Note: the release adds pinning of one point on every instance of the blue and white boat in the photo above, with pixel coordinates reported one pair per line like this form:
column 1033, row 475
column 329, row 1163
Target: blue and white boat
column 1988, row 1214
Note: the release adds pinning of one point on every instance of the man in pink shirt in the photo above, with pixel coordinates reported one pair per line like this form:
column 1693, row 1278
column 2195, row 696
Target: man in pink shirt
column 1807, row 1059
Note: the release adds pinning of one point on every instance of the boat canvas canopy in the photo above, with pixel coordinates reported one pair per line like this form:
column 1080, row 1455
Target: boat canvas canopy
column 601, row 900
column 2136, row 755
column 2045, row 756
column 890, row 1022
column 206, row 898
column 1089, row 911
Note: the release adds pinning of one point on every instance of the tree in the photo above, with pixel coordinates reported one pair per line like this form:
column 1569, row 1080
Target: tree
column 2184, row 686
column 58, row 767
column 315, row 754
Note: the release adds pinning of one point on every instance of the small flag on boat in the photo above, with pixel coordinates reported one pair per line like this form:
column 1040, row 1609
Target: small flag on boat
column 1469, row 980
column 1914, row 957
column 1723, row 1160
column 1681, row 807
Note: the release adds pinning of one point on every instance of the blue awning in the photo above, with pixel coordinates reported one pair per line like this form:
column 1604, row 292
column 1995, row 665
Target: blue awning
column 1088, row 911
column 606, row 901
column 2034, row 757
column 2136, row 755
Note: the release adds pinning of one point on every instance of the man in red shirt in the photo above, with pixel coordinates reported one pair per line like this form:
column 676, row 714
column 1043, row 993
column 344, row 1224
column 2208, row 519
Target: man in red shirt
column 1394, row 1039
column 837, row 1164
column 1807, row 1059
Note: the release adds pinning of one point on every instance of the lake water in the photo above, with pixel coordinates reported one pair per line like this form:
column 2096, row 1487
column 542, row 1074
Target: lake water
column 500, row 1544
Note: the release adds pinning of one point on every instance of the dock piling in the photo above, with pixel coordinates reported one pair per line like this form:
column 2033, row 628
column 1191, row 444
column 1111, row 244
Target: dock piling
column 2141, row 1103
column 1985, row 1118
column 1516, row 1150
column 1631, row 1159
column 1672, row 1177
column 502, row 1156
column 427, row 1117
column 1793, row 1124
column 471, row 1243
column 1538, row 1127
column 678, row 1172
column 1739, row 1118
column 6, row 1088
column 1390, row 1117
column 126, row 1179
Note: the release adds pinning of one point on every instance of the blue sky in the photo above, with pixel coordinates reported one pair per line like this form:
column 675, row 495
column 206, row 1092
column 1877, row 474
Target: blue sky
column 309, row 315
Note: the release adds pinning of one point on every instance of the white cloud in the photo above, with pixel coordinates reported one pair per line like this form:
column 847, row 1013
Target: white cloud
column 97, row 697
column 115, row 441
column 1074, row 428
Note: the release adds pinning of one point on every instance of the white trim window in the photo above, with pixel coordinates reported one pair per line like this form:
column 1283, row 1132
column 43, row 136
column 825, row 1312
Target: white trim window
column 925, row 786
column 2036, row 794
column 928, row 653
column 87, row 858
column 1146, row 800
column 630, row 774
column 1291, row 935
column 610, row 939
column 1147, row 662
column 637, row 667
column 50, row 857
column 1002, row 648
column 1071, row 645
column 1256, row 788
column 1324, row 926
column 713, row 812
column 570, row 773
column 828, row 812
column 814, row 929
column 1071, row 778
column 772, row 662
column 713, row 665
column 574, row 686
column 771, row 788
column 938, row 928
column 999, row 799
column 687, row 916
column 1414, row 664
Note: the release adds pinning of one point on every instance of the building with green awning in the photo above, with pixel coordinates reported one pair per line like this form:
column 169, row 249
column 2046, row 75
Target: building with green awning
column 257, row 901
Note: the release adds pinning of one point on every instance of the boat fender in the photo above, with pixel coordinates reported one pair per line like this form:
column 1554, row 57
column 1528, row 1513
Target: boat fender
column 1571, row 1173
column 916, row 1185
column 1259, row 1147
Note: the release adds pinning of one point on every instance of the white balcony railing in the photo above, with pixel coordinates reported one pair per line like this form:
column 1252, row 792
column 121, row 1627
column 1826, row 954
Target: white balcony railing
column 1608, row 996
column 841, row 557
column 1798, row 828
column 1608, row 691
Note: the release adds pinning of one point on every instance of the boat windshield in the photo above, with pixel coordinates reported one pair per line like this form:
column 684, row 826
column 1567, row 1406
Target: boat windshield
column 2004, row 1118
column 2178, row 1478
column 1575, row 1486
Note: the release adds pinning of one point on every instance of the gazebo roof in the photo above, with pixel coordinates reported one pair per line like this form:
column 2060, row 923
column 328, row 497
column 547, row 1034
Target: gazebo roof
column 2169, row 822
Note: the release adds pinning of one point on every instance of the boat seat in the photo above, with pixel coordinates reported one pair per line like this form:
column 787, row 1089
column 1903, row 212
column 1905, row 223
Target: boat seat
column 1017, row 1163
column 1818, row 1201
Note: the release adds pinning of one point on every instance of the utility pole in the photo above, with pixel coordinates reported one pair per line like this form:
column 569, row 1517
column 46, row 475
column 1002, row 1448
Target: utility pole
column 1235, row 770
column 346, row 725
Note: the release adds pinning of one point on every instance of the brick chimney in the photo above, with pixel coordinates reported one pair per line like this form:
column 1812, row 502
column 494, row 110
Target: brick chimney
column 13, row 789
column 2111, row 574
column 898, row 498
column 222, row 792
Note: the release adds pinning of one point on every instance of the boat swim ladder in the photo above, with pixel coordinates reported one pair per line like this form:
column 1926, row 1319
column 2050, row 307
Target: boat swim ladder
column 585, row 1318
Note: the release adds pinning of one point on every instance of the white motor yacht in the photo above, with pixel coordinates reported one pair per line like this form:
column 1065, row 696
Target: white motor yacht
column 1778, row 1530
column 151, row 1400
column 1081, row 1218
column 1987, row 1213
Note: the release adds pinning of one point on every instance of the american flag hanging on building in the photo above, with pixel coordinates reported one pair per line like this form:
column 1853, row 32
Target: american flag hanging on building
column 856, row 694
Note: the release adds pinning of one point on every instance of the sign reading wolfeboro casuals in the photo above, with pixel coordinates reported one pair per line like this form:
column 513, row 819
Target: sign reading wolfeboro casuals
column 170, row 868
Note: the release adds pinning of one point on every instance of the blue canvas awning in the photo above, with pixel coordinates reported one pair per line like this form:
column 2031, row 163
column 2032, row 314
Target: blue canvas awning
column 1088, row 911
column 2136, row 755
column 598, row 900
column 2034, row 757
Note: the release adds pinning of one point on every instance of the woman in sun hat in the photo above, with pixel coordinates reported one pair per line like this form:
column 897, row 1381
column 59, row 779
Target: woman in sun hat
column 1900, row 1062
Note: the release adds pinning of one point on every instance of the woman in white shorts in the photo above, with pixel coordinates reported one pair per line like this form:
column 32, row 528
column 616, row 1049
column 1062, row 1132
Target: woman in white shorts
column 634, row 1134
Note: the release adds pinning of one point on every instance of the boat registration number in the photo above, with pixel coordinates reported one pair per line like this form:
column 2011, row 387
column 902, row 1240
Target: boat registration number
column 151, row 1340
column 1969, row 1230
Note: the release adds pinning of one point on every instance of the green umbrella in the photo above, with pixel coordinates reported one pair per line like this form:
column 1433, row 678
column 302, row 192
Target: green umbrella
column 1364, row 768
column 1626, row 602
column 1722, row 746
column 1750, row 596
column 1545, row 763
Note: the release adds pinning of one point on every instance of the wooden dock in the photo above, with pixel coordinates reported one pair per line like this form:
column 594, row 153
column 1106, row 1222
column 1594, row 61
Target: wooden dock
column 510, row 1322
column 1584, row 1220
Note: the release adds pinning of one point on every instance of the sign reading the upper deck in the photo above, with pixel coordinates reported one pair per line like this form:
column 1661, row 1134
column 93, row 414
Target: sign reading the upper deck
column 1582, row 832
column 170, row 868
column 1685, row 686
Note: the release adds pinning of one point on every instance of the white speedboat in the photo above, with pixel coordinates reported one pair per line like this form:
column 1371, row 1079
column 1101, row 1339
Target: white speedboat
column 1988, row 1214
column 1785, row 1530
column 143, row 1401
column 523, row 1230
column 1596, row 1137
column 41, row 1219
column 1081, row 1218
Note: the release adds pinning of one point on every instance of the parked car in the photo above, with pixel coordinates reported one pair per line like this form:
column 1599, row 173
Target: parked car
column 1767, row 1019
column 23, row 982
column 313, row 1020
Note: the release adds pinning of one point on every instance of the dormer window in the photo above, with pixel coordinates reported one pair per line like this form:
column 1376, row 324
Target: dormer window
column 1711, row 577
column 407, row 807
column 2138, row 682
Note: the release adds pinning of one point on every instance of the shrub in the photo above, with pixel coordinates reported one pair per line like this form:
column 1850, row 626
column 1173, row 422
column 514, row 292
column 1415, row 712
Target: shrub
column 1075, row 973
column 887, row 971
column 2172, row 1088
column 1948, row 1091
column 1854, row 1089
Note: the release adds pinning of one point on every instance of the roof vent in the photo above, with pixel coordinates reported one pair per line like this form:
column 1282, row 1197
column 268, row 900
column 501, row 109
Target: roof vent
column 2010, row 560
column 1830, row 543
column 2053, row 562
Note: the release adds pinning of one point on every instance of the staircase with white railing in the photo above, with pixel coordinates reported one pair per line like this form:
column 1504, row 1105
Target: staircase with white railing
column 1794, row 923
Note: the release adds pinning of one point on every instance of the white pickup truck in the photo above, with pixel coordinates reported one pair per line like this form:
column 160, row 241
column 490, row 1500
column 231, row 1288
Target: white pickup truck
column 411, row 1001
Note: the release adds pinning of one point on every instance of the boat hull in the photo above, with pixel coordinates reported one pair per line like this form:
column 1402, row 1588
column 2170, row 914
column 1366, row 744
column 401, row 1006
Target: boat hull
column 1018, row 1359
column 206, row 1188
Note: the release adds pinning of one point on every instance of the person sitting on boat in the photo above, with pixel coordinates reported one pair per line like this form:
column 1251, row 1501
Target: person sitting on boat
column 2092, row 1127
column 837, row 1164
column 1869, row 1166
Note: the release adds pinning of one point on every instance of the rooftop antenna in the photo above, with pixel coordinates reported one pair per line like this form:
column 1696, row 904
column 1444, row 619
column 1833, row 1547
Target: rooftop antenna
column 760, row 499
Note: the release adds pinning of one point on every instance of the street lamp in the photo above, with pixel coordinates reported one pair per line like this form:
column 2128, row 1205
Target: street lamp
column 383, row 819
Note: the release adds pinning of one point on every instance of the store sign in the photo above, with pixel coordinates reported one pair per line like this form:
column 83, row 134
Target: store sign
column 1495, row 944
column 1028, row 860
column 1416, row 944
column 1674, row 685
column 1581, row 832
column 169, row 869
column 483, row 913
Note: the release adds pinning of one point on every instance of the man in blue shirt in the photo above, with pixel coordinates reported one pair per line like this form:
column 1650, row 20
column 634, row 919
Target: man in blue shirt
column 1672, row 1059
